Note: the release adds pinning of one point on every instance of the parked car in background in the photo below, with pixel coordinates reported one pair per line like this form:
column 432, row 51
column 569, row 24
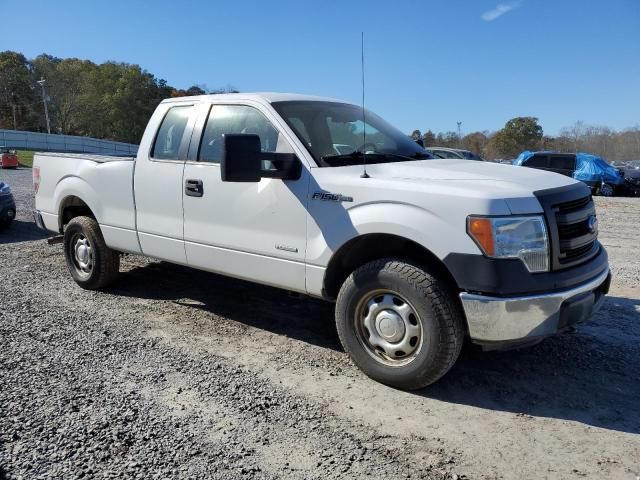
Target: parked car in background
column 631, row 173
column 9, row 158
column 444, row 152
column 603, row 178
column 7, row 206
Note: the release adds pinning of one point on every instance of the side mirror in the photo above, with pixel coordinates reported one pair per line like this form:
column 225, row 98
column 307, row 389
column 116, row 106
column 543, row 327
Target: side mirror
column 241, row 158
column 243, row 161
column 420, row 142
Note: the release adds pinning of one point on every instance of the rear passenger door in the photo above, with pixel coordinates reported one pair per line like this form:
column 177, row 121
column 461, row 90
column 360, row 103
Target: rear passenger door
column 158, row 182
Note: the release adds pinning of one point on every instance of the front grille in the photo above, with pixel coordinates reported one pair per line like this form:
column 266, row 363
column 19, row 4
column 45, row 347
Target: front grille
column 573, row 229
column 574, row 204
column 578, row 252
column 576, row 240
column 568, row 211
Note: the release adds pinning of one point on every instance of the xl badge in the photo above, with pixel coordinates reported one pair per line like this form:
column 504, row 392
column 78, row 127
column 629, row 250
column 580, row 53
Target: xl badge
column 592, row 223
column 331, row 197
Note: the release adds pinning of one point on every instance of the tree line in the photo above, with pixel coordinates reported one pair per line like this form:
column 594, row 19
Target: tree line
column 525, row 133
column 111, row 100
column 114, row 101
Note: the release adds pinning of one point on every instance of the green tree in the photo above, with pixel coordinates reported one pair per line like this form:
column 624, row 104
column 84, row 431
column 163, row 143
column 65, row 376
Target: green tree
column 118, row 100
column 475, row 142
column 518, row 134
column 448, row 139
column 66, row 87
column 44, row 66
column 16, row 94
column 429, row 138
column 415, row 135
column 192, row 90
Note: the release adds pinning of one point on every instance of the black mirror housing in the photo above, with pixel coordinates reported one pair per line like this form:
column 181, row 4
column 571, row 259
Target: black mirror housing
column 242, row 161
column 241, row 158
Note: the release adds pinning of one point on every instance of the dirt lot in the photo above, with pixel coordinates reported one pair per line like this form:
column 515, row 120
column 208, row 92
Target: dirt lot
column 175, row 373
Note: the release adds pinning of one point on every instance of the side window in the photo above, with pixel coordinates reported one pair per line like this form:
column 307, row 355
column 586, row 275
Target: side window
column 563, row 162
column 537, row 161
column 169, row 137
column 224, row 119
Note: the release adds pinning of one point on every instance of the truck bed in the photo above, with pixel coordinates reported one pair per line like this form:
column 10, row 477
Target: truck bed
column 103, row 182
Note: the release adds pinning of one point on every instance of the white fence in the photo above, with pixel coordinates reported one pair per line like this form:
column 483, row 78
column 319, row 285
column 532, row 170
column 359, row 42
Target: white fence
column 63, row 143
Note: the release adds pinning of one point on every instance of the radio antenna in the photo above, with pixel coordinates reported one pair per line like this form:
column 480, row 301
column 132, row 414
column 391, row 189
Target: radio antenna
column 364, row 123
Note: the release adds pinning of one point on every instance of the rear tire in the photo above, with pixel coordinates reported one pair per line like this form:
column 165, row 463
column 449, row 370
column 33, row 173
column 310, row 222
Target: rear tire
column 606, row 190
column 91, row 263
column 400, row 324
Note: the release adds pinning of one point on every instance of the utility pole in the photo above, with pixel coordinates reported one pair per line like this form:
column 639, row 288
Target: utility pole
column 42, row 83
column 13, row 110
column 459, row 136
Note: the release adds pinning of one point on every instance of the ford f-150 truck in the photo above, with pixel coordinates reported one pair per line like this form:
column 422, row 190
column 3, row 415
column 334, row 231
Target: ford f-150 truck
column 416, row 252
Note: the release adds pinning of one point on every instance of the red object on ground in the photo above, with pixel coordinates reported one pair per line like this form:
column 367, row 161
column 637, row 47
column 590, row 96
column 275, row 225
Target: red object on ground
column 9, row 158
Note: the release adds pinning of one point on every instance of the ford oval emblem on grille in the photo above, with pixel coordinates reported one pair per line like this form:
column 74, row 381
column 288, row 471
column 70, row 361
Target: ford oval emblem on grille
column 592, row 223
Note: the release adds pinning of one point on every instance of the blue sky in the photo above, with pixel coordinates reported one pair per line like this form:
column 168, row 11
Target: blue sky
column 429, row 64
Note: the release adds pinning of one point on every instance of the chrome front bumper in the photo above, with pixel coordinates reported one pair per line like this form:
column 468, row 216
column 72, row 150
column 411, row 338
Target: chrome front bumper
column 495, row 320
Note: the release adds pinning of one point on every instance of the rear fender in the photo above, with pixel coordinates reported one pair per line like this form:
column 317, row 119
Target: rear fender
column 72, row 185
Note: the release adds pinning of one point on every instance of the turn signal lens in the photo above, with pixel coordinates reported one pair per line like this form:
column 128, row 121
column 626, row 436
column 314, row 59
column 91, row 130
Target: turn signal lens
column 481, row 230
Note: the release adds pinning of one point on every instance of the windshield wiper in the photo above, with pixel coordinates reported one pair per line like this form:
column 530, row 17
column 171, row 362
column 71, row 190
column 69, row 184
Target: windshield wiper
column 354, row 158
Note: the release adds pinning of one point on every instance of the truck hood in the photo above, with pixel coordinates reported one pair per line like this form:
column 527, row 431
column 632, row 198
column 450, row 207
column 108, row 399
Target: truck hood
column 473, row 180
column 504, row 177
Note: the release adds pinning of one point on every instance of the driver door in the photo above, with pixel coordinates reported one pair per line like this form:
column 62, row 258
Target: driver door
column 254, row 231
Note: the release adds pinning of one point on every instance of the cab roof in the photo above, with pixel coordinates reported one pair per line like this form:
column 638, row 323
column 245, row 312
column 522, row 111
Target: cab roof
column 269, row 97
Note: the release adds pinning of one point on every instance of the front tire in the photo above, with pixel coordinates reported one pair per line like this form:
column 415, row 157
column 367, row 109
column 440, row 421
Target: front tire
column 399, row 323
column 91, row 263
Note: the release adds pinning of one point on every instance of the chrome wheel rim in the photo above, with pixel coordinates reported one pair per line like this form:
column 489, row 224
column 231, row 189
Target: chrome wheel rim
column 388, row 328
column 82, row 254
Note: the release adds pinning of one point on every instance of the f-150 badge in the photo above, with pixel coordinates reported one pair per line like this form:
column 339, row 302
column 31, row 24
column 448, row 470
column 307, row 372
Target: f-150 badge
column 331, row 197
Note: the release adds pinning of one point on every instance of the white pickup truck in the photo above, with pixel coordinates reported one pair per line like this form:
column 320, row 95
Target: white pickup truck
column 417, row 252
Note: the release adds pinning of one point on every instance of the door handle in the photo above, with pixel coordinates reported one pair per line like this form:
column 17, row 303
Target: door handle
column 193, row 188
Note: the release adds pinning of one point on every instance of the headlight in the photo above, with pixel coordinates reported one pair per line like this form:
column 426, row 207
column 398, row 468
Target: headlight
column 513, row 237
column 4, row 189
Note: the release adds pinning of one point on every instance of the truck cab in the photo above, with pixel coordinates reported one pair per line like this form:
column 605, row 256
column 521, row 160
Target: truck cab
column 317, row 196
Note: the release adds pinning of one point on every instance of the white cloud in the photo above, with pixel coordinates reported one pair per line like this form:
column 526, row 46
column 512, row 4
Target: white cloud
column 499, row 10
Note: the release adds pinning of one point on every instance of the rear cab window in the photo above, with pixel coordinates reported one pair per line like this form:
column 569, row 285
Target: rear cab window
column 171, row 133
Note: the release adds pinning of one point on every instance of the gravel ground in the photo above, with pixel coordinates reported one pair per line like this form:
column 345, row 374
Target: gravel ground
column 174, row 373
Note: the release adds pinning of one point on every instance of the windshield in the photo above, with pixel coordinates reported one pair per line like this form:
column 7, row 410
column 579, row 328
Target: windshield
column 335, row 134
